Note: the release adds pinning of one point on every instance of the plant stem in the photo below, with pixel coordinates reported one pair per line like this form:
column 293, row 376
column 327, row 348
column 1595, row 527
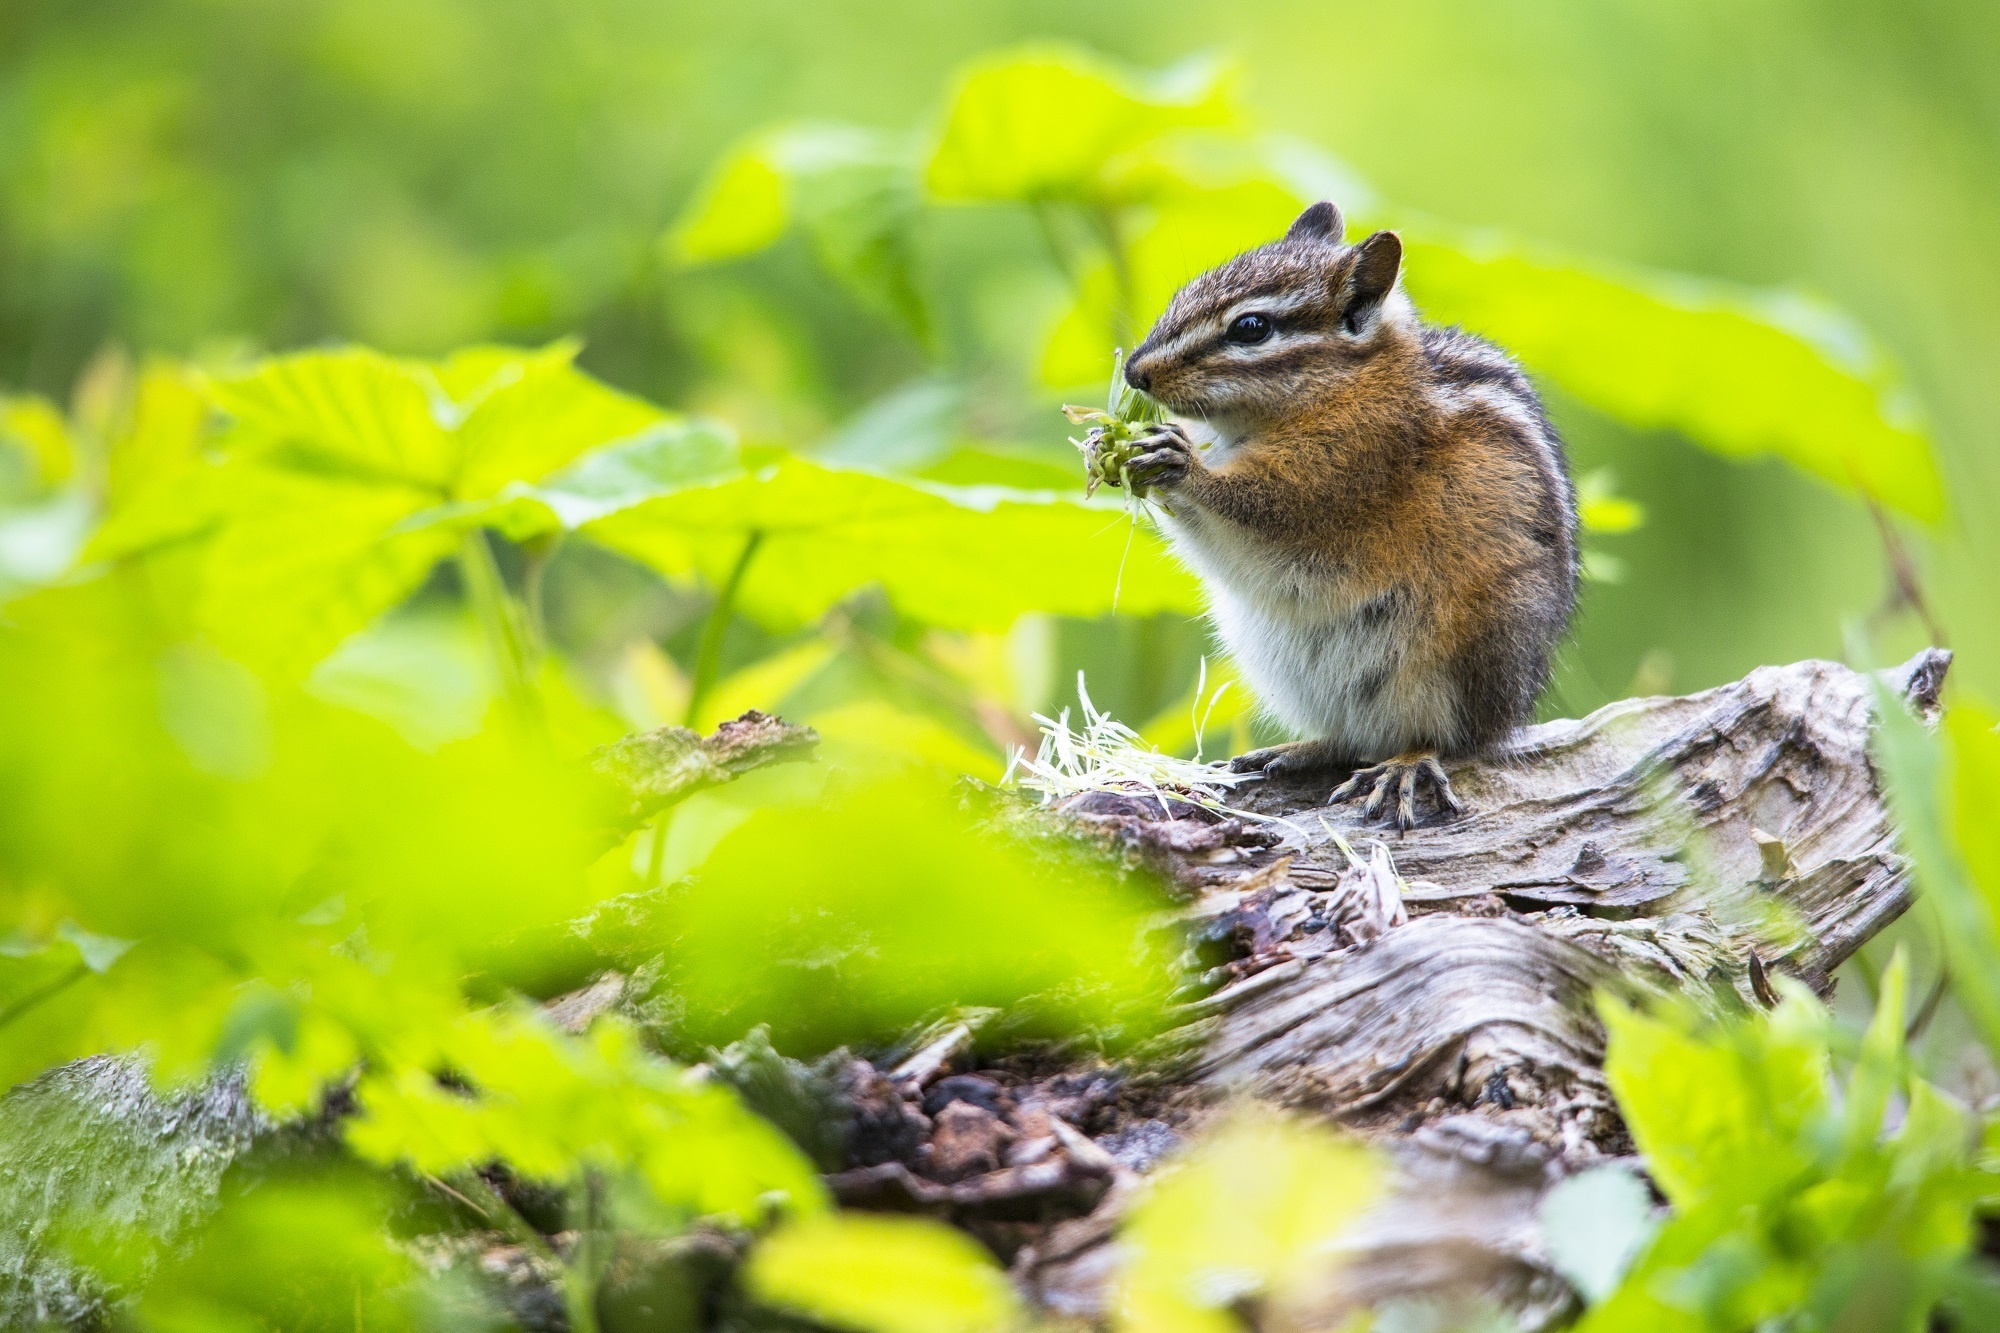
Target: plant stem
column 1124, row 302
column 708, row 658
column 579, row 1288
column 587, row 1260
column 508, row 637
column 538, row 553
column 1045, row 219
column 35, row 997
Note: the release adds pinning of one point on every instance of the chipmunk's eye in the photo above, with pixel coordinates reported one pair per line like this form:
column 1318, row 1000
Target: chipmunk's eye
column 1248, row 329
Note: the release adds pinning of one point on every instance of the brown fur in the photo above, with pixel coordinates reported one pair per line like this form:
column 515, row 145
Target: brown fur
column 1369, row 461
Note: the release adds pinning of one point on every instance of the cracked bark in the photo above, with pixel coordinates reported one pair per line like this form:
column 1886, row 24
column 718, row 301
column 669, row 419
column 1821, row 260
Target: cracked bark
column 1686, row 844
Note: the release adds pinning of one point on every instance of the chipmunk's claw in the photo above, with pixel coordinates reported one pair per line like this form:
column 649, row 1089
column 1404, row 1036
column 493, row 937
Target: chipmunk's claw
column 1290, row 760
column 1399, row 777
column 1163, row 458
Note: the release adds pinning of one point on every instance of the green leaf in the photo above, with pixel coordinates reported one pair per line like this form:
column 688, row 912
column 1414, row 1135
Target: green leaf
column 1718, row 1115
column 351, row 411
column 1183, row 234
column 1739, row 371
column 955, row 557
column 744, row 207
column 880, row 900
column 98, row 952
column 1050, row 122
column 880, row 1274
column 553, row 1107
column 1878, row 1073
column 307, row 1254
column 35, row 428
column 667, row 457
column 1250, row 1212
column 852, row 190
column 1594, row 1224
column 540, row 414
column 1944, row 788
column 302, row 561
column 347, row 476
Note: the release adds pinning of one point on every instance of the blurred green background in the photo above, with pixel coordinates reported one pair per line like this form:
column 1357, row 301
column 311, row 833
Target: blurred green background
column 194, row 175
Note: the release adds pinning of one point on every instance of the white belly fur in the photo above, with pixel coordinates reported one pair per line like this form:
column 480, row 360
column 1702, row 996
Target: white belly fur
column 1317, row 666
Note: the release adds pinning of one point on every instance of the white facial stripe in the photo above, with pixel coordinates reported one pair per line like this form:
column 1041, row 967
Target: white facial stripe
column 1281, row 339
column 1277, row 307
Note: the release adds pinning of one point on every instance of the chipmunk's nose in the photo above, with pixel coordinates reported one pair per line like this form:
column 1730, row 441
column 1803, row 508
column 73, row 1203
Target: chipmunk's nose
column 1138, row 376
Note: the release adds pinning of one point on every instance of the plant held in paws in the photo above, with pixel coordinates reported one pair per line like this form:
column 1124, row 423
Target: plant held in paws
column 1113, row 440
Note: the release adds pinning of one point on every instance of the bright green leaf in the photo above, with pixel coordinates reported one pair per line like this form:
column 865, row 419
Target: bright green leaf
column 1049, row 122
column 347, row 476
column 554, row 1106
column 879, row 1274
column 543, row 417
column 304, row 561
column 744, row 207
column 1944, row 788
column 1716, row 1116
column 1739, row 371
column 1253, row 1210
column 969, row 558
column 34, row 427
column 299, row 1254
column 853, row 191
column 352, row 411
column 878, row 901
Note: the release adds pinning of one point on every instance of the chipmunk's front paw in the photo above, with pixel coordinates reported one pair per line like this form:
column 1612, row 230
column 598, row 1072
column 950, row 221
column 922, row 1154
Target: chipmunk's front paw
column 1162, row 458
column 1290, row 760
column 1400, row 777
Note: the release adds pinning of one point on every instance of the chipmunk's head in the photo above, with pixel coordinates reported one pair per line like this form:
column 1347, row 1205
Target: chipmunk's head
column 1242, row 342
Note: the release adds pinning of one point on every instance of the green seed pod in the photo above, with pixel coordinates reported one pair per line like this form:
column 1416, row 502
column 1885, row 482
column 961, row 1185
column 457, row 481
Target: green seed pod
column 1112, row 442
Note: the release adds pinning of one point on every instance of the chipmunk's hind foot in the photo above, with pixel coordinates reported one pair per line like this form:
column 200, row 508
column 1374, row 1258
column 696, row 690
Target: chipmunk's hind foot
column 1400, row 778
column 1292, row 760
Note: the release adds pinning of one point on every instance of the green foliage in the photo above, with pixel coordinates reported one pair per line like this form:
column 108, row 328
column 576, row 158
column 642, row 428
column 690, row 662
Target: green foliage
column 1945, row 786
column 1739, row 371
column 881, row 1274
column 939, row 907
column 954, row 557
column 210, row 865
column 1053, row 123
column 557, row 1110
column 1140, row 181
column 304, row 1255
column 1251, row 1212
column 344, row 477
column 214, row 866
column 852, row 191
column 1789, row 1203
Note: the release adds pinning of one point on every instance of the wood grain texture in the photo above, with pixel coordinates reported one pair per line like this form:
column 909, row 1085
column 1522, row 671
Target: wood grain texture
column 1657, row 844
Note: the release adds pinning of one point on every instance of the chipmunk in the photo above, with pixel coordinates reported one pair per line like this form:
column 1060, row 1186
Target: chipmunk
column 1383, row 518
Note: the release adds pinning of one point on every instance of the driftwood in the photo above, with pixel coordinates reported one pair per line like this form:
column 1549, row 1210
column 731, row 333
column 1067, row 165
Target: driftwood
column 1432, row 991
column 1692, row 844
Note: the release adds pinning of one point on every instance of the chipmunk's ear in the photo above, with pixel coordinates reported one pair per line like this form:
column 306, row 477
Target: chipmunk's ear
column 1321, row 222
column 1377, row 260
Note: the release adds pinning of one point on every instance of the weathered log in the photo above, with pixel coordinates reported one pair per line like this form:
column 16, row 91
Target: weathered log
column 1434, row 993
column 1677, row 843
